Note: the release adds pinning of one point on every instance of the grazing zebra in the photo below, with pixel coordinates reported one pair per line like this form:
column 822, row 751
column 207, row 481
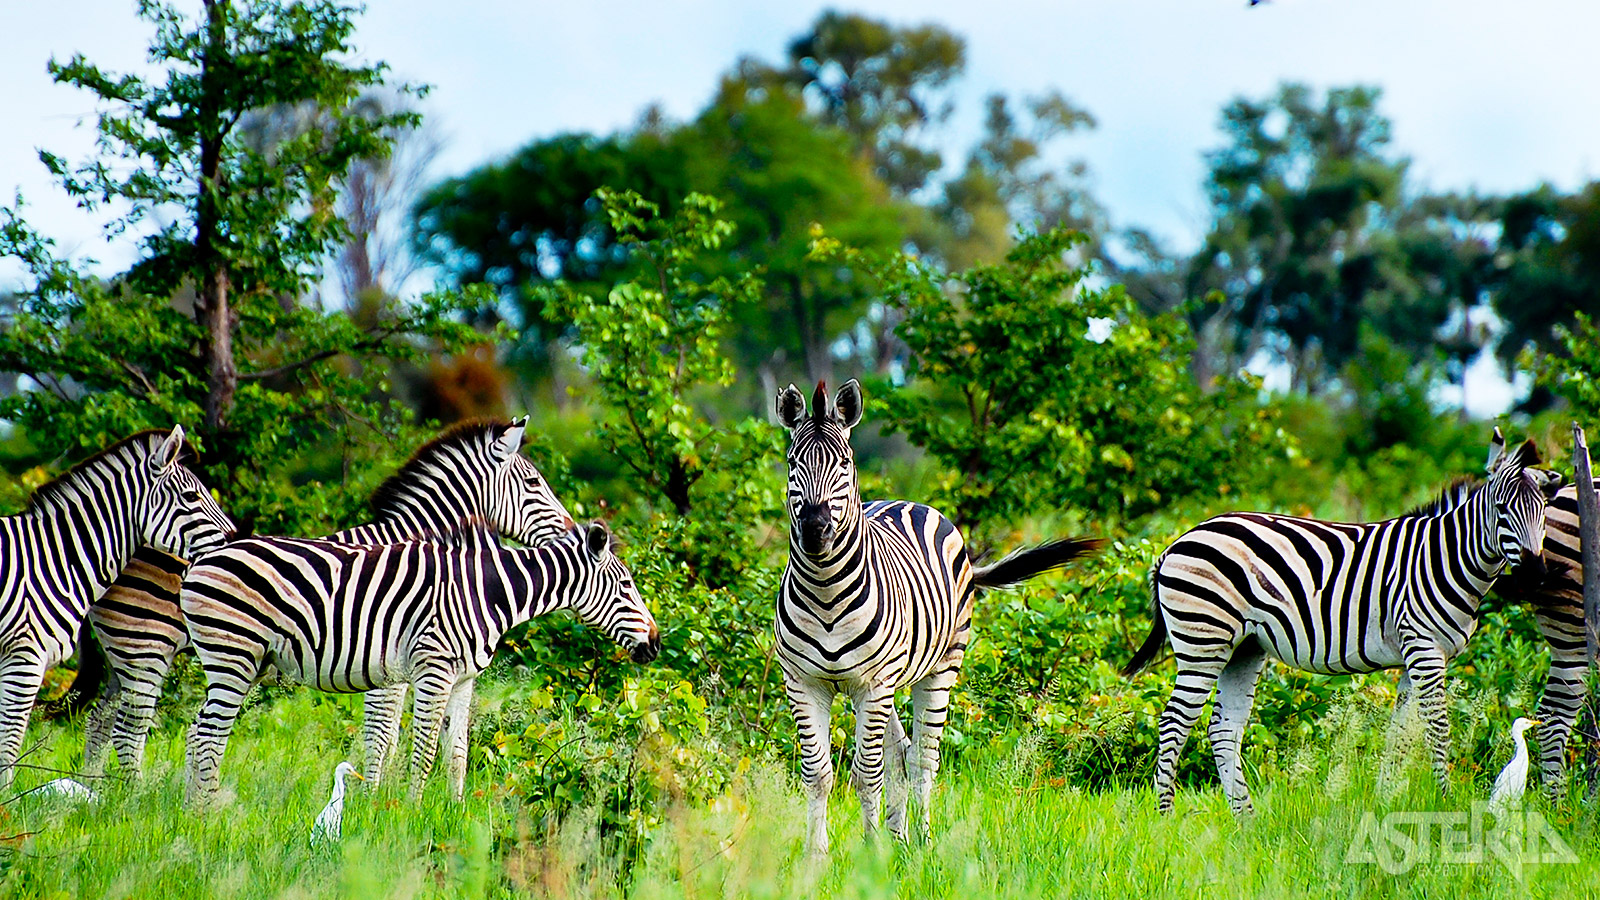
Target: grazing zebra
column 1557, row 602
column 876, row 598
column 1333, row 598
column 345, row 617
column 472, row 469
column 76, row 533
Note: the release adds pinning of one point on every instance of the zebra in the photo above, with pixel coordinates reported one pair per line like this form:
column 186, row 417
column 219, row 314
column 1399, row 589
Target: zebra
column 473, row 468
column 1333, row 598
column 59, row 554
column 876, row 597
column 1556, row 598
column 345, row 617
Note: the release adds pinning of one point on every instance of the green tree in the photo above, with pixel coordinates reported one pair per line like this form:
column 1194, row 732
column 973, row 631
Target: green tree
column 208, row 327
column 1039, row 393
column 1009, row 183
column 1303, row 245
column 1549, row 260
column 881, row 84
column 653, row 344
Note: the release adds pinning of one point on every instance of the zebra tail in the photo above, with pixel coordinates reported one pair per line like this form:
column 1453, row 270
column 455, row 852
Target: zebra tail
column 86, row 684
column 1158, row 632
column 1024, row 564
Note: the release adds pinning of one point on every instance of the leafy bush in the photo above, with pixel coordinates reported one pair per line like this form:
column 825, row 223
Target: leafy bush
column 1039, row 392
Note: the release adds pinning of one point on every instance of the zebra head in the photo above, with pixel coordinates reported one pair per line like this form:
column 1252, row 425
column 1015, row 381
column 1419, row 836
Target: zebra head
column 1520, row 493
column 518, row 502
column 823, row 490
column 179, row 515
column 607, row 598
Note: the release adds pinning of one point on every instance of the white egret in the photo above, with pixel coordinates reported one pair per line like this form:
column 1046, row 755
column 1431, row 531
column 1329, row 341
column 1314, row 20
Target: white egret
column 1513, row 780
column 66, row 789
column 330, row 821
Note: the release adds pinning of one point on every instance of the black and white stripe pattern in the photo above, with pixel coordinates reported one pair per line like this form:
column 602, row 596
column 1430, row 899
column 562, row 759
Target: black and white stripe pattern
column 473, row 469
column 1333, row 598
column 78, row 531
column 342, row 617
column 875, row 598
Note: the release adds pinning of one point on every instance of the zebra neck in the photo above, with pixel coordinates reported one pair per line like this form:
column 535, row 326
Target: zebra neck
column 519, row 584
column 100, row 532
column 1473, row 524
column 433, row 503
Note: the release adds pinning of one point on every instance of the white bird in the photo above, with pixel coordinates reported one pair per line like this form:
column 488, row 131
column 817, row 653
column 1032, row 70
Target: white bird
column 1513, row 780
column 66, row 789
column 330, row 821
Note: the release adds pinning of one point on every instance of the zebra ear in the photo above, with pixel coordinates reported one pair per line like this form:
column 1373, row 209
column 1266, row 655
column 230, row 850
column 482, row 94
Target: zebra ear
column 791, row 406
column 848, row 404
column 509, row 441
column 170, row 451
column 1550, row 483
column 1497, row 451
column 597, row 540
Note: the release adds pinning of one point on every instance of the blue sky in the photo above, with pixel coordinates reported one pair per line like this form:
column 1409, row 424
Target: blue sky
column 1483, row 93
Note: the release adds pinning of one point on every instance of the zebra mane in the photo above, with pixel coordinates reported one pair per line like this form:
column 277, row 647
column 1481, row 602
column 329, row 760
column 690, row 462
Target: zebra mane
column 389, row 496
column 59, row 490
column 1454, row 495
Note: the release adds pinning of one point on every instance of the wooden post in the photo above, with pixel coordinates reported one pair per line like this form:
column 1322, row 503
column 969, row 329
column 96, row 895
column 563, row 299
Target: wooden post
column 1588, row 540
column 1589, row 556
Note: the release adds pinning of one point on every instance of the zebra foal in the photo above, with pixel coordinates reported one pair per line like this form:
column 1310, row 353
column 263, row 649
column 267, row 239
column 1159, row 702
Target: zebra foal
column 876, row 597
column 473, row 469
column 77, row 532
column 1331, row 597
column 347, row 618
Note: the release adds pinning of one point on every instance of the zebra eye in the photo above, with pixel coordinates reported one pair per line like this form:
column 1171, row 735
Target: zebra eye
column 191, row 496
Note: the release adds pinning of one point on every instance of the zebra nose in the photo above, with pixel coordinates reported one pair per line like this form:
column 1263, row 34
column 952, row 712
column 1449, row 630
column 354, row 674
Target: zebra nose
column 1533, row 562
column 647, row 650
column 568, row 523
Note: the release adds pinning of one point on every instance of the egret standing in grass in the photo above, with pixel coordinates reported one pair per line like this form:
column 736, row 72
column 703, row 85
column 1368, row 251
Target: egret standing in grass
column 329, row 822
column 1513, row 778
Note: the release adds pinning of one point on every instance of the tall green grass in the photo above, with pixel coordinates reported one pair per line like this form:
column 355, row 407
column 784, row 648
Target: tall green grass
column 1000, row 830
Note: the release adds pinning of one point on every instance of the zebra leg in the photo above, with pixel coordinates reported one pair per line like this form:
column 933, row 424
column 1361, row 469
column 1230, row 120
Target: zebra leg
column 812, row 705
column 380, row 728
column 208, row 737
column 431, row 695
column 21, row 675
column 896, row 749
column 456, row 715
column 930, row 708
column 1236, row 694
column 1397, row 743
column 1196, row 677
column 1425, row 664
column 400, row 691
column 1562, row 627
column 134, row 715
column 874, row 708
column 103, row 712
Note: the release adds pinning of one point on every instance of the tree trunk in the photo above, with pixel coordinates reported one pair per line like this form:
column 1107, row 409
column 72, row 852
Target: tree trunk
column 212, row 310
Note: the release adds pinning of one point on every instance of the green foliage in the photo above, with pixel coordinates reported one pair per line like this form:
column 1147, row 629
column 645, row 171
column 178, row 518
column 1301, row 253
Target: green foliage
column 1306, row 243
column 1574, row 374
column 1030, row 412
column 654, row 341
column 208, row 328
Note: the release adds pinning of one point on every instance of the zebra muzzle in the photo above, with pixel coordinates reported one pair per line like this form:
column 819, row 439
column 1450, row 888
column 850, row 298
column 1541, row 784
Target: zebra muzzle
column 649, row 648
